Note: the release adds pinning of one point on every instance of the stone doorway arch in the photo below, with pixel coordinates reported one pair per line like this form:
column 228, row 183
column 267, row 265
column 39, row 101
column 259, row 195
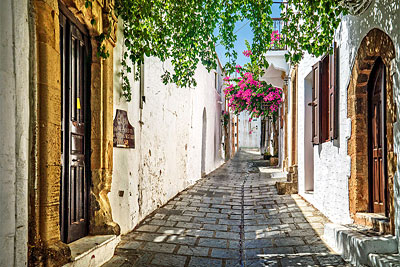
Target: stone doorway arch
column 374, row 45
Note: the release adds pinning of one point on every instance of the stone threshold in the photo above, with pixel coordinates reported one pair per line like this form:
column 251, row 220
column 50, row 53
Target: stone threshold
column 378, row 222
column 384, row 260
column 92, row 250
column 360, row 246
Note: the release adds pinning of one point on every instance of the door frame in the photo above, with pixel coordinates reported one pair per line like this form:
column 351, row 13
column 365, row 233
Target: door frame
column 376, row 43
column 65, row 99
column 370, row 90
column 44, row 238
column 308, row 134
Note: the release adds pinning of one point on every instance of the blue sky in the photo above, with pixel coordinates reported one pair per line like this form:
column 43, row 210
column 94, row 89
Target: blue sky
column 244, row 32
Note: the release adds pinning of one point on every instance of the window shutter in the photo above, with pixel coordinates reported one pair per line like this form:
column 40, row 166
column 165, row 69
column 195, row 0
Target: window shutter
column 315, row 104
column 333, row 108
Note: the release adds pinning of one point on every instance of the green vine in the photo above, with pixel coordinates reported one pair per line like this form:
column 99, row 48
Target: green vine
column 102, row 51
column 88, row 3
column 126, row 86
column 310, row 27
column 185, row 33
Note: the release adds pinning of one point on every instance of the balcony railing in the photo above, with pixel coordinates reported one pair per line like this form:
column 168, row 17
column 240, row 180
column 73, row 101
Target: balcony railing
column 278, row 24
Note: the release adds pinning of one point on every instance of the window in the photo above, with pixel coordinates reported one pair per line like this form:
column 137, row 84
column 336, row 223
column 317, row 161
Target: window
column 142, row 96
column 216, row 80
column 324, row 100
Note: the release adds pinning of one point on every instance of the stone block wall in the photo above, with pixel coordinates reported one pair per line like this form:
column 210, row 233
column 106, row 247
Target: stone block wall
column 45, row 246
column 375, row 44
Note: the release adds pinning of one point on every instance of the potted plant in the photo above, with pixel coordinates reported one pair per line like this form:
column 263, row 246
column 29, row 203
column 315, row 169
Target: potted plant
column 267, row 155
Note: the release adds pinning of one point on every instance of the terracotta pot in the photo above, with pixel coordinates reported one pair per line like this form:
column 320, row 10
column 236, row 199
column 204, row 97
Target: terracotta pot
column 274, row 161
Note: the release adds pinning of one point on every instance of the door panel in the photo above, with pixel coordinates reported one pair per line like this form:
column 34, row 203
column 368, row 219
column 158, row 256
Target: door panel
column 74, row 48
column 377, row 147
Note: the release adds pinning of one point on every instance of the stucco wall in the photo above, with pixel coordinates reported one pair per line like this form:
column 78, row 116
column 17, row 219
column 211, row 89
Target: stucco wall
column 331, row 163
column 168, row 136
column 331, row 160
column 14, row 134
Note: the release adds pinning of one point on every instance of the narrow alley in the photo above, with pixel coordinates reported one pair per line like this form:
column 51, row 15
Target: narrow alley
column 199, row 133
column 232, row 217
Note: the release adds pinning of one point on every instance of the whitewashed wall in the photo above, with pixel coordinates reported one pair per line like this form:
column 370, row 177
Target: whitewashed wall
column 14, row 132
column 168, row 135
column 331, row 162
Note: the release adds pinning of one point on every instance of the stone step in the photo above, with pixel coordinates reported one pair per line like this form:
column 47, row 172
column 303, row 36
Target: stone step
column 356, row 246
column 384, row 260
column 92, row 251
column 377, row 222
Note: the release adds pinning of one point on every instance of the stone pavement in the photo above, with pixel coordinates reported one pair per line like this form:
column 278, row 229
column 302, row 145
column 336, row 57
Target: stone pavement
column 232, row 217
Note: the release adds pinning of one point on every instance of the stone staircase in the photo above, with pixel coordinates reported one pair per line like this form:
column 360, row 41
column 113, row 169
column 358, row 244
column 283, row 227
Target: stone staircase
column 362, row 246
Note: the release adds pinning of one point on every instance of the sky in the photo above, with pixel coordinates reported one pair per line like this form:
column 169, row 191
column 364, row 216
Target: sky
column 243, row 31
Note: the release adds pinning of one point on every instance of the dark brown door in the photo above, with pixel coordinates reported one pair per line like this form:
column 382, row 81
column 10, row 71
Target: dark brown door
column 74, row 50
column 377, row 141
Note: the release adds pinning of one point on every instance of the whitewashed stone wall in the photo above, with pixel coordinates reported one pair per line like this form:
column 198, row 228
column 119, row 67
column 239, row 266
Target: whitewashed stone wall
column 14, row 132
column 168, row 135
column 331, row 162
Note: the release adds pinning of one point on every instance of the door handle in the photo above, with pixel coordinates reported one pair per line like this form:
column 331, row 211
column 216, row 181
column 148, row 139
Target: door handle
column 74, row 160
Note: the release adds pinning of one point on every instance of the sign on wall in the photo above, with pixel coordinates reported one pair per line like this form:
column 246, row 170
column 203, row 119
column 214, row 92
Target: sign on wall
column 124, row 133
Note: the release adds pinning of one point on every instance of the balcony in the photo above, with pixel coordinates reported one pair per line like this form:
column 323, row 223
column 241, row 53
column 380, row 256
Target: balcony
column 278, row 24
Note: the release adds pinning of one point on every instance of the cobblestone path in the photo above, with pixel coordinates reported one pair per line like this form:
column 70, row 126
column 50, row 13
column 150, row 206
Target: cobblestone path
column 232, row 217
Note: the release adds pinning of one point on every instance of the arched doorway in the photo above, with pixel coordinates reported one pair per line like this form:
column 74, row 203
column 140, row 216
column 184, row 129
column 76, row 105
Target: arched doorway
column 203, row 143
column 377, row 146
column 371, row 108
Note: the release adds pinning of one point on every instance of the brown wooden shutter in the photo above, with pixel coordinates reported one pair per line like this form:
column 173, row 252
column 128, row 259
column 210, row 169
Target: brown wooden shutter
column 316, row 92
column 333, row 92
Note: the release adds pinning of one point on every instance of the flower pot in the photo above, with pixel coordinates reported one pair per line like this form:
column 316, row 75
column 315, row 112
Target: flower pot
column 274, row 161
column 267, row 157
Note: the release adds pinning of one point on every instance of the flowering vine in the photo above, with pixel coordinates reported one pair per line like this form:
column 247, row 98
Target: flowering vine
column 248, row 93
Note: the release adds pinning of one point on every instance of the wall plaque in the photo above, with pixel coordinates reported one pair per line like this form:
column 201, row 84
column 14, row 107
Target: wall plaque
column 124, row 133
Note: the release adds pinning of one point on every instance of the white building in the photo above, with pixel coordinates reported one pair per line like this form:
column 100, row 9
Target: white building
column 14, row 132
column 338, row 135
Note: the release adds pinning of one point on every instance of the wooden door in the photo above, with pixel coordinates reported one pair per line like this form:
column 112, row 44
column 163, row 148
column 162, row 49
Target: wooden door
column 377, row 141
column 75, row 76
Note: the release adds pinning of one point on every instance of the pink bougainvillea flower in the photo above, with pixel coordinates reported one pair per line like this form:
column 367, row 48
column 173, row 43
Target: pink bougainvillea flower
column 226, row 78
column 247, row 53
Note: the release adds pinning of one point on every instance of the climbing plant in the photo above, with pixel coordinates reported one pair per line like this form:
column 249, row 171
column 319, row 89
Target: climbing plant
column 102, row 52
column 248, row 93
column 310, row 26
column 185, row 33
